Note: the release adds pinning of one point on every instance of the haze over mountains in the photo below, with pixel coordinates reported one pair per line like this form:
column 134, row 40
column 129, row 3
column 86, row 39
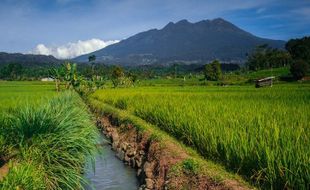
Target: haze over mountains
column 184, row 42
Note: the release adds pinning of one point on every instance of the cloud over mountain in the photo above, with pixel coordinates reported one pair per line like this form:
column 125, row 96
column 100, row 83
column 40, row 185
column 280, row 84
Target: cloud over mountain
column 72, row 49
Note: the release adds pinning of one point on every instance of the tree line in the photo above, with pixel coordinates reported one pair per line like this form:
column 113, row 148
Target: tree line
column 296, row 55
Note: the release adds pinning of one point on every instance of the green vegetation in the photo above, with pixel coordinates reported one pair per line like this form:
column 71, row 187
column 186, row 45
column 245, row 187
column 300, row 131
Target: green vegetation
column 14, row 94
column 299, row 69
column 265, row 57
column 45, row 141
column 299, row 48
column 300, row 51
column 91, row 58
column 262, row 134
column 213, row 71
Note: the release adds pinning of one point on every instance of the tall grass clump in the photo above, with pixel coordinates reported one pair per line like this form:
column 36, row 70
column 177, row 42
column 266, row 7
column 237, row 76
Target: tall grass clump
column 48, row 145
column 262, row 134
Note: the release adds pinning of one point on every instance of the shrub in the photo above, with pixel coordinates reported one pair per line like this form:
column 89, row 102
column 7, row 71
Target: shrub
column 213, row 71
column 299, row 69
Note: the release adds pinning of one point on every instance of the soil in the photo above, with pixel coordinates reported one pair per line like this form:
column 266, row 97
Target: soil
column 4, row 170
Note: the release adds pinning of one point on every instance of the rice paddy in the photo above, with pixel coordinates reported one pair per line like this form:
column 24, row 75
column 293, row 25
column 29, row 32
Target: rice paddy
column 13, row 94
column 262, row 134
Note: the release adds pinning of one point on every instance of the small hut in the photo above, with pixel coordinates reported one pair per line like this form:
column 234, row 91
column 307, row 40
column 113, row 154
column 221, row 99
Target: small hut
column 264, row 82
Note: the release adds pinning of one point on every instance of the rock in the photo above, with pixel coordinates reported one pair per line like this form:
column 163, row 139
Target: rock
column 114, row 136
column 127, row 159
column 139, row 172
column 124, row 146
column 131, row 152
column 148, row 169
column 142, row 187
column 149, row 183
column 120, row 155
column 138, row 162
column 132, row 162
column 109, row 134
column 115, row 145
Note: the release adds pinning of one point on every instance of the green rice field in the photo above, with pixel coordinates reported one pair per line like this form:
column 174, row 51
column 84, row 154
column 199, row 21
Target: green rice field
column 14, row 94
column 261, row 134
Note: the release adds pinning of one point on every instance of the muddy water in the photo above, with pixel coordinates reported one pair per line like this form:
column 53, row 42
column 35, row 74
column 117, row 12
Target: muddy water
column 110, row 173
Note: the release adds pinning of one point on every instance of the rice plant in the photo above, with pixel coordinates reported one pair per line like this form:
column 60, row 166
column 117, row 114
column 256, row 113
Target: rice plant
column 262, row 134
column 48, row 145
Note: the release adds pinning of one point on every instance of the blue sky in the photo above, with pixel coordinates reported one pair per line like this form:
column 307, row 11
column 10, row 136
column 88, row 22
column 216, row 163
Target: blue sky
column 62, row 23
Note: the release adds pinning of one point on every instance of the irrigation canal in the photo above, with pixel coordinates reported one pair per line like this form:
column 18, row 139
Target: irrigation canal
column 111, row 173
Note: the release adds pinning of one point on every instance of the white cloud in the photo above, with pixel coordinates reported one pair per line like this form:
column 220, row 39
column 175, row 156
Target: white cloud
column 71, row 50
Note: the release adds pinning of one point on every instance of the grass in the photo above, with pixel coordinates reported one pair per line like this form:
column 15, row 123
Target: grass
column 46, row 141
column 262, row 134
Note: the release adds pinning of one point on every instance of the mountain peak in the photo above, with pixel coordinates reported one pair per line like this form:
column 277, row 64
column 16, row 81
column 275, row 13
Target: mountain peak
column 201, row 42
column 182, row 22
column 219, row 20
column 170, row 24
column 215, row 22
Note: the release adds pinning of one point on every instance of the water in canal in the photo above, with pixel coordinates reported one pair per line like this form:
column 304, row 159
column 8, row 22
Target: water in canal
column 110, row 172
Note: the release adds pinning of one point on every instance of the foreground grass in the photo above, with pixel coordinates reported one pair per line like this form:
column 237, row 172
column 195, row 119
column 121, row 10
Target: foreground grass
column 262, row 134
column 46, row 146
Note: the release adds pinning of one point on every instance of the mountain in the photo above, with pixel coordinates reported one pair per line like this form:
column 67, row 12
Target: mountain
column 28, row 60
column 186, row 42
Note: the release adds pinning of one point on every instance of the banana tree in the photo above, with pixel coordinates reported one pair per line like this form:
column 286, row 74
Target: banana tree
column 71, row 76
column 56, row 74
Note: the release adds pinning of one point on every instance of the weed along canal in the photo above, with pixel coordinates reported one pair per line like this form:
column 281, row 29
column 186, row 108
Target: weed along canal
column 110, row 173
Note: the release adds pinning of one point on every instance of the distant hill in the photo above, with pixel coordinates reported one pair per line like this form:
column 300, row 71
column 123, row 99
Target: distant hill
column 28, row 60
column 186, row 42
